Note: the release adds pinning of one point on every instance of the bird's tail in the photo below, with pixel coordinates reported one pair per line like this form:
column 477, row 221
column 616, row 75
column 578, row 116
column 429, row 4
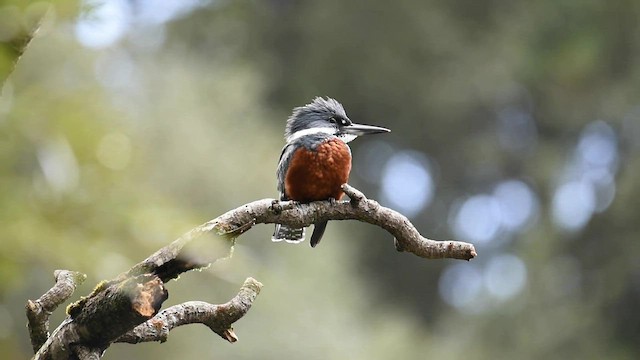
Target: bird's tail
column 318, row 231
column 290, row 235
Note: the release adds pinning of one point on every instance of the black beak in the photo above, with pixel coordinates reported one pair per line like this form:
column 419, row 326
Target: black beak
column 360, row 129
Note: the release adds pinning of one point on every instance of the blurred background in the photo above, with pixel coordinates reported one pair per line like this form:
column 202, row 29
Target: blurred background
column 515, row 126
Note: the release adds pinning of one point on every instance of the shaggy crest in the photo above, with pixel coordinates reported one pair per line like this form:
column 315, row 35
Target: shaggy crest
column 316, row 112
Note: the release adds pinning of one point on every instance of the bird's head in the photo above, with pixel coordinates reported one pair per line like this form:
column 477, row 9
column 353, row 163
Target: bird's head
column 325, row 116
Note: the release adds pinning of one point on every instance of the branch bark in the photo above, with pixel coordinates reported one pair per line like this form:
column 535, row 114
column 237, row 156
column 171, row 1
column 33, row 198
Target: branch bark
column 407, row 237
column 172, row 260
column 218, row 318
column 38, row 311
column 128, row 312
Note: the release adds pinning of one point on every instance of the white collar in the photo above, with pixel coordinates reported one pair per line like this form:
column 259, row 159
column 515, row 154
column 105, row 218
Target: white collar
column 300, row 133
column 321, row 130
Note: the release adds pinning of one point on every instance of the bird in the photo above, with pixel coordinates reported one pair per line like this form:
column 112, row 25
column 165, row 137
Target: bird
column 316, row 160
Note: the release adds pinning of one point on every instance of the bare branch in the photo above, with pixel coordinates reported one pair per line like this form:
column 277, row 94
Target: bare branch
column 359, row 208
column 114, row 308
column 125, row 309
column 97, row 320
column 38, row 311
column 131, row 308
column 218, row 318
column 170, row 261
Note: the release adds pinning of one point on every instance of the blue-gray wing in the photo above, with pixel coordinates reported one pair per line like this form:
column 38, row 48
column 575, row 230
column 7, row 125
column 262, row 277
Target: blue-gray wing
column 281, row 172
column 282, row 232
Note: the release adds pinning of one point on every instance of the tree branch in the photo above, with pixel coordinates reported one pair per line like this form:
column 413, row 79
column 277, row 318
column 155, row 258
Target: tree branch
column 126, row 309
column 128, row 312
column 171, row 260
column 218, row 318
column 38, row 311
column 407, row 237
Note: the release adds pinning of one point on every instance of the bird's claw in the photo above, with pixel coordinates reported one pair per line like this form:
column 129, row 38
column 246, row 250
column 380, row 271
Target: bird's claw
column 276, row 208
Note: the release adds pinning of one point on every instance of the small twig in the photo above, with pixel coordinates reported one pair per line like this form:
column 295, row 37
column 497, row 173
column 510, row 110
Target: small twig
column 354, row 194
column 218, row 318
column 38, row 311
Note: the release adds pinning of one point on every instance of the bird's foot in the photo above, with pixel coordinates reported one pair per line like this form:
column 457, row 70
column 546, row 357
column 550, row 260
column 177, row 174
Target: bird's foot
column 276, row 208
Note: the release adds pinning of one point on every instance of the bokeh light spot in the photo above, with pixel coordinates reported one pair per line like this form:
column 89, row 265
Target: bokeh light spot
column 114, row 151
column 478, row 219
column 104, row 24
column 460, row 285
column 598, row 145
column 505, row 276
column 407, row 184
column 59, row 165
column 588, row 179
column 605, row 192
column 517, row 202
column 573, row 205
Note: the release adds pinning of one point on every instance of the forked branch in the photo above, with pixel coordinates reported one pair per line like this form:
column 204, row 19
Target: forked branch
column 127, row 308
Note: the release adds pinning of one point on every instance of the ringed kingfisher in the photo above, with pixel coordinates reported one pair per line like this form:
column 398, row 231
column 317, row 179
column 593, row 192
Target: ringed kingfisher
column 316, row 160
